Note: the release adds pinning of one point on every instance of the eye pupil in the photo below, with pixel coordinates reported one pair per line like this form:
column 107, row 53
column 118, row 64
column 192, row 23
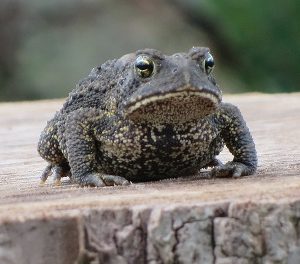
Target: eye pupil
column 144, row 66
column 209, row 63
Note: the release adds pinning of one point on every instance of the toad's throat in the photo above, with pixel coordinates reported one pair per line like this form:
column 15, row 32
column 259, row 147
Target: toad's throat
column 173, row 107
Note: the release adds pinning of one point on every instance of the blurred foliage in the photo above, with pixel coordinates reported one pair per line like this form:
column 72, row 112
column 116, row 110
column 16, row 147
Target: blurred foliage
column 263, row 37
column 47, row 46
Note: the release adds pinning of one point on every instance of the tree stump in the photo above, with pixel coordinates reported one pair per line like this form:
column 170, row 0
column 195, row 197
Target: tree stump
column 254, row 219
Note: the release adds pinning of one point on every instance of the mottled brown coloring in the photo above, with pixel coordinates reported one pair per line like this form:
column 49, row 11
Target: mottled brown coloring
column 146, row 116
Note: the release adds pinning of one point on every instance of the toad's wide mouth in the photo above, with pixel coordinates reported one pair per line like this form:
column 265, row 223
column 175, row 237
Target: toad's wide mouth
column 177, row 106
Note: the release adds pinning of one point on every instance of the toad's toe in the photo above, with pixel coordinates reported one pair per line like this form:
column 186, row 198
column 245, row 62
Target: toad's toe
column 114, row 180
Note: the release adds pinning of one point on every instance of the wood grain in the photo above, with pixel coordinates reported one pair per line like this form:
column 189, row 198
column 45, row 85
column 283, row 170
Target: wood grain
column 274, row 121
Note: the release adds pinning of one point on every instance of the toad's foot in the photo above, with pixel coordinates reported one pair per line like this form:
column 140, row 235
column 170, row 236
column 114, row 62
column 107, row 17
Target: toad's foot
column 101, row 180
column 58, row 172
column 112, row 180
column 46, row 173
column 231, row 169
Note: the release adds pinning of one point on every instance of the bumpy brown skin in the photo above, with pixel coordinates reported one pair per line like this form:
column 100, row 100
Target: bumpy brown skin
column 119, row 125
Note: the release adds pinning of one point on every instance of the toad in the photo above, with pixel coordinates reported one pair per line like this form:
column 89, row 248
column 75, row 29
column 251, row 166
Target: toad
column 146, row 116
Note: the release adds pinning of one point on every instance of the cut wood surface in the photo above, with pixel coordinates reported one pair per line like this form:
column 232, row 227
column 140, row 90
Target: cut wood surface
column 151, row 208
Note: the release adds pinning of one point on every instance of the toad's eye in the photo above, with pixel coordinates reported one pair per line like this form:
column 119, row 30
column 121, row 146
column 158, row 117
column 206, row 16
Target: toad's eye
column 144, row 66
column 208, row 63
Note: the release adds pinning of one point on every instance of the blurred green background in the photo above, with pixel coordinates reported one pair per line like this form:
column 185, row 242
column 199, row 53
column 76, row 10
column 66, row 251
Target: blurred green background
column 47, row 46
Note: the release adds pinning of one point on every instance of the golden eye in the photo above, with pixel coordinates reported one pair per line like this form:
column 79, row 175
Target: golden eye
column 144, row 66
column 208, row 63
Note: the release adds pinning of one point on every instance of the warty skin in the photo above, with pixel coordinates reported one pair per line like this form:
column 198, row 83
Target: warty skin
column 146, row 116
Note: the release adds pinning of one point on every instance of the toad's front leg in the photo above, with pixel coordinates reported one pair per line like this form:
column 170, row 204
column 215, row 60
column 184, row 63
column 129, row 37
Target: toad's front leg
column 81, row 149
column 238, row 140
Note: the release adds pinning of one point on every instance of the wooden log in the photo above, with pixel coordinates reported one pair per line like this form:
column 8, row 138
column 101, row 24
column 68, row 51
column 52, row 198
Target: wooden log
column 253, row 219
